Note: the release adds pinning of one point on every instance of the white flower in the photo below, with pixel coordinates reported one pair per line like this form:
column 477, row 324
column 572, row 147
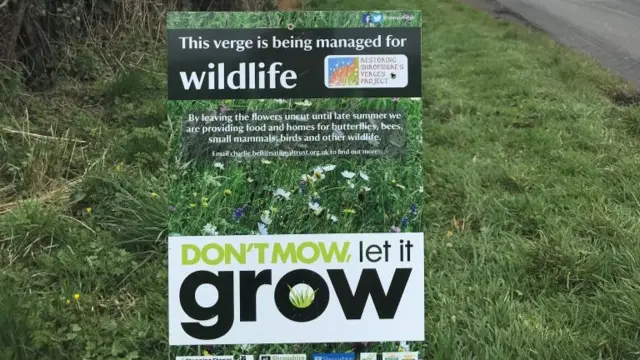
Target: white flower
column 314, row 206
column 364, row 176
column 280, row 101
column 333, row 218
column 365, row 189
column 265, row 161
column 209, row 230
column 421, row 189
column 262, row 228
column 328, row 167
column 348, row 174
column 416, row 99
column 351, row 184
column 305, row 103
column 218, row 165
column 404, row 346
column 281, row 193
column 266, row 217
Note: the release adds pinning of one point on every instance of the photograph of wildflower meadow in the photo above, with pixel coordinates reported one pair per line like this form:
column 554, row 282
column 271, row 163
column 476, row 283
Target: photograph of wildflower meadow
column 292, row 195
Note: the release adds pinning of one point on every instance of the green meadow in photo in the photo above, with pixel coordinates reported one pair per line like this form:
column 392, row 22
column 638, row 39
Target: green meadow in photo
column 303, row 195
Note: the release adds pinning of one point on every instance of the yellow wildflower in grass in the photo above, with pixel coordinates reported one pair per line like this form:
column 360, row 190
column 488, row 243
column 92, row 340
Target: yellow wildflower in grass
column 88, row 210
column 68, row 301
column 76, row 296
column 192, row 205
column 154, row 195
column 227, row 192
column 349, row 211
column 205, row 353
column 393, row 181
column 204, row 202
column 449, row 233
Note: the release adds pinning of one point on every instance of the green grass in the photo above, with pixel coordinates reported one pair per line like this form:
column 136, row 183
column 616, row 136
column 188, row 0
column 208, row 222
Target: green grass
column 524, row 140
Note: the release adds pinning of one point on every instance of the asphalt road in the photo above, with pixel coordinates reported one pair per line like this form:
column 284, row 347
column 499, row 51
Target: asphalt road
column 608, row 30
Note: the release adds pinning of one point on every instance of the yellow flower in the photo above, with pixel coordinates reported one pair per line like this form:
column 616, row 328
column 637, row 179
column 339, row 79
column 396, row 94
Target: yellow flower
column 154, row 195
column 393, row 181
column 205, row 353
column 449, row 233
column 227, row 192
column 68, row 301
column 349, row 211
column 192, row 205
column 88, row 210
column 76, row 296
column 204, row 201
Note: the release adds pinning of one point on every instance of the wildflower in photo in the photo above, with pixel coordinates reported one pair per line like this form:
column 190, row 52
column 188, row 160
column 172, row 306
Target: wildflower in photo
column 318, row 173
column 347, row 174
column 282, row 194
column 404, row 222
column 315, row 207
column 265, row 161
column 238, row 213
column 404, row 346
column 332, row 218
column 192, row 205
column 266, row 217
column 413, row 210
column 262, row 229
column 76, row 296
column 88, row 210
column 351, row 184
column 349, row 211
column 249, row 180
column 364, row 176
column 227, row 192
column 154, row 195
column 209, row 230
column 218, row 165
column 68, row 301
column 305, row 103
column 421, row 189
column 328, row 167
column 449, row 233
column 280, row 101
column 118, row 167
column 302, row 185
column 204, row 201
column 395, row 229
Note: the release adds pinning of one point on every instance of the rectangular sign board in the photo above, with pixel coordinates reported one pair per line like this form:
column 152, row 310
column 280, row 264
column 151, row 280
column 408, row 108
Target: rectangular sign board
column 296, row 181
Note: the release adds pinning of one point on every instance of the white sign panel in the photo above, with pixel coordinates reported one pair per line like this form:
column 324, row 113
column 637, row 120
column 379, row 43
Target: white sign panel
column 312, row 288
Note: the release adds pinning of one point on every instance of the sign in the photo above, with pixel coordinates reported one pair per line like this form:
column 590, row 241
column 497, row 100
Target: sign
column 284, row 357
column 225, row 357
column 301, row 285
column 400, row 356
column 296, row 181
column 334, row 356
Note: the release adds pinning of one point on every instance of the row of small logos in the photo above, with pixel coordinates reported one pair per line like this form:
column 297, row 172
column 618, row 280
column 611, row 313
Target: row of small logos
column 317, row 356
column 376, row 18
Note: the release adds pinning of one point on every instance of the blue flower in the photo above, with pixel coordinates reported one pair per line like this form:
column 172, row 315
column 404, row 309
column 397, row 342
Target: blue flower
column 238, row 213
column 405, row 222
column 414, row 210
